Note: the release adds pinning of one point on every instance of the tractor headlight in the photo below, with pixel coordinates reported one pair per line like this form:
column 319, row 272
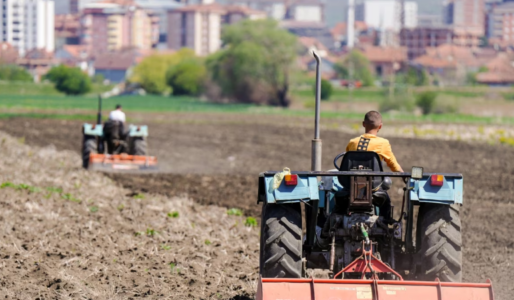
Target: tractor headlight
column 416, row 173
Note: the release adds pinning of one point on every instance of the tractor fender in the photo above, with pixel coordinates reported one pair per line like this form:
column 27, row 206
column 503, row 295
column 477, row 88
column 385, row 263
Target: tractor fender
column 305, row 190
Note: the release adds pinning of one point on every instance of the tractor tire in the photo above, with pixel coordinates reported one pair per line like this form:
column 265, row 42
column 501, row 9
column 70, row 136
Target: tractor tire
column 139, row 147
column 281, row 241
column 441, row 242
column 89, row 145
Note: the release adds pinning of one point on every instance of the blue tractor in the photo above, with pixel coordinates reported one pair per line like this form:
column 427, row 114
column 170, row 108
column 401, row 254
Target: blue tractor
column 112, row 147
column 334, row 233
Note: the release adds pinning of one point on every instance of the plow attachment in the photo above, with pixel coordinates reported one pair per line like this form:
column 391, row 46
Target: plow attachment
column 333, row 289
column 123, row 163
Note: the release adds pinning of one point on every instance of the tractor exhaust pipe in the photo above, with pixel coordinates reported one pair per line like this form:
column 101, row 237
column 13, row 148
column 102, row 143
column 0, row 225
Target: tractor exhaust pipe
column 316, row 142
column 99, row 116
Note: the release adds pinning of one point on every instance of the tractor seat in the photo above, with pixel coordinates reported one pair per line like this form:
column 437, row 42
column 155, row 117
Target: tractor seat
column 360, row 161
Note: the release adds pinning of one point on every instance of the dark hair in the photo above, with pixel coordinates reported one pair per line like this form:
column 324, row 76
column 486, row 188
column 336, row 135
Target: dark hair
column 118, row 106
column 373, row 119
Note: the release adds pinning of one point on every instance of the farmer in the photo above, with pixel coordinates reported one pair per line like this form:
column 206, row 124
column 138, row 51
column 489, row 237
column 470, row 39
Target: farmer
column 117, row 114
column 372, row 124
column 370, row 141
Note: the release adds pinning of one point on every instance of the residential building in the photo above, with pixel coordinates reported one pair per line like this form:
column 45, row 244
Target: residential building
column 67, row 30
column 8, row 54
column 500, row 71
column 417, row 40
column 199, row 26
column 115, row 25
column 115, row 66
column 37, row 62
column 385, row 61
column 299, row 10
column 386, row 15
column 363, row 34
column 451, row 63
column 159, row 9
column 500, row 24
column 27, row 24
column 466, row 18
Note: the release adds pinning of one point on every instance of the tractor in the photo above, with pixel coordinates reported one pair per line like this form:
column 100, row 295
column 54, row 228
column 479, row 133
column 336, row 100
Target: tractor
column 333, row 234
column 111, row 147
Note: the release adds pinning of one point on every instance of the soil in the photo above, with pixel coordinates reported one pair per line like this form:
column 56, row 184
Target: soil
column 214, row 159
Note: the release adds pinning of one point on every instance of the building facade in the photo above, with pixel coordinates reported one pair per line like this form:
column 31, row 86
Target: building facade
column 199, row 26
column 27, row 24
column 387, row 15
column 113, row 26
column 299, row 10
column 466, row 17
column 500, row 23
column 417, row 40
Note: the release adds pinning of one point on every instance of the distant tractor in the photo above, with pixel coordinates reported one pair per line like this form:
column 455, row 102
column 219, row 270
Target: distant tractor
column 112, row 147
column 330, row 234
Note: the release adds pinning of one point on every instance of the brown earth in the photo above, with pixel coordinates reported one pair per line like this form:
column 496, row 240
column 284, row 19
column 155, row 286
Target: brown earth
column 215, row 159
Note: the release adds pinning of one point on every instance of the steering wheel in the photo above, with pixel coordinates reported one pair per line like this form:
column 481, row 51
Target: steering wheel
column 337, row 158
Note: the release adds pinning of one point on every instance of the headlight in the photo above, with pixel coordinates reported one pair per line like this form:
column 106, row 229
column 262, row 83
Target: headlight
column 416, row 173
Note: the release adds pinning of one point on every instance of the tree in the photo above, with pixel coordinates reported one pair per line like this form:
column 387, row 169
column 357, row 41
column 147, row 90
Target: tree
column 150, row 73
column 14, row 73
column 255, row 64
column 187, row 77
column 426, row 101
column 416, row 77
column 358, row 63
column 69, row 80
column 326, row 89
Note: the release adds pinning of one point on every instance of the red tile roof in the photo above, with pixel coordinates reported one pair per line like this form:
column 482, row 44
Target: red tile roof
column 449, row 56
column 377, row 54
column 341, row 28
column 499, row 70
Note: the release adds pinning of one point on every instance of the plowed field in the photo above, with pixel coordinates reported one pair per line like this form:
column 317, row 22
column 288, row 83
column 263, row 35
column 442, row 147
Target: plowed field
column 215, row 159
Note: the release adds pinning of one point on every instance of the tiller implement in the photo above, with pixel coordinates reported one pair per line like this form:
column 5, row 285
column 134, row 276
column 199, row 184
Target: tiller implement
column 333, row 235
column 114, row 147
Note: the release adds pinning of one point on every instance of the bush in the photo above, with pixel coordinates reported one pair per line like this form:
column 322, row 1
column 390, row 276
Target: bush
column 426, row 101
column 150, row 73
column 14, row 73
column 400, row 100
column 360, row 65
column 417, row 77
column 326, row 89
column 68, row 80
column 187, row 77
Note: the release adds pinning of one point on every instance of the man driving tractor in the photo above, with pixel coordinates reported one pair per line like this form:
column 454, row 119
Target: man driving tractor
column 114, row 130
column 369, row 141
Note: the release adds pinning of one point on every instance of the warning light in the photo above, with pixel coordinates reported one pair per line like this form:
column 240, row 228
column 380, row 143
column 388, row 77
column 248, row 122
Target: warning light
column 291, row 179
column 436, row 180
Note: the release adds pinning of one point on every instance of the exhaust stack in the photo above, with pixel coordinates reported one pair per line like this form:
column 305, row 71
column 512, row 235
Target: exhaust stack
column 316, row 142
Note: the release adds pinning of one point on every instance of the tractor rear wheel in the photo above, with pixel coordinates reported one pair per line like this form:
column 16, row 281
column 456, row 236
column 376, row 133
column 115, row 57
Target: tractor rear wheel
column 139, row 146
column 89, row 145
column 281, row 241
column 440, row 244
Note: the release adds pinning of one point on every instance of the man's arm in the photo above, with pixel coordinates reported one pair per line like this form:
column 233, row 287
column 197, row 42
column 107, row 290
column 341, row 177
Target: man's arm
column 389, row 158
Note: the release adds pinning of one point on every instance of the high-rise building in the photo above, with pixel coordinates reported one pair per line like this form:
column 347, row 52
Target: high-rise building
column 465, row 16
column 114, row 25
column 27, row 24
column 386, row 15
column 500, row 23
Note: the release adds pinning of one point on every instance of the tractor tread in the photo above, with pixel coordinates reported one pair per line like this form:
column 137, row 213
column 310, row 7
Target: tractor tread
column 281, row 241
column 441, row 243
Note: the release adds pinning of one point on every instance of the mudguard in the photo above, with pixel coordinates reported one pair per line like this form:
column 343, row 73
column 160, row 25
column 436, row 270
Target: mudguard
column 93, row 129
column 138, row 131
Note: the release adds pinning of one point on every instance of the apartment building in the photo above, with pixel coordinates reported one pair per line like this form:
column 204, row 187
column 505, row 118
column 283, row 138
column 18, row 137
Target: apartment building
column 418, row 40
column 199, row 26
column 27, row 24
column 500, row 24
column 115, row 25
column 298, row 10
column 387, row 15
column 466, row 17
